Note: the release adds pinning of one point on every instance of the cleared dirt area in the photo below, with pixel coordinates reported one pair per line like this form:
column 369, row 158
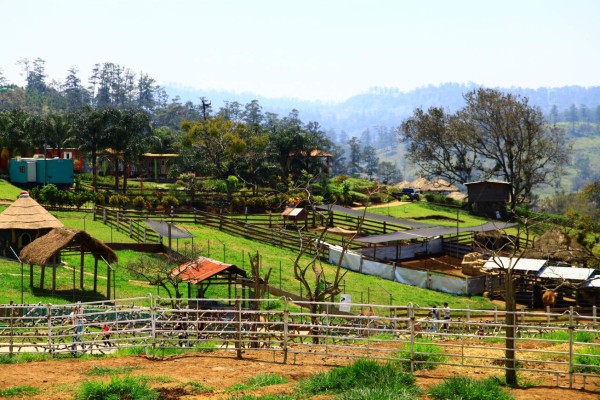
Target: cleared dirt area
column 220, row 369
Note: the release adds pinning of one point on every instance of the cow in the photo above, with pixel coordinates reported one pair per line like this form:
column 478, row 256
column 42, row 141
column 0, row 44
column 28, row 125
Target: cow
column 549, row 298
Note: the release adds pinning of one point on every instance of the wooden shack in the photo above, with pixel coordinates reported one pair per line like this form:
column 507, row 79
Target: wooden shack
column 487, row 198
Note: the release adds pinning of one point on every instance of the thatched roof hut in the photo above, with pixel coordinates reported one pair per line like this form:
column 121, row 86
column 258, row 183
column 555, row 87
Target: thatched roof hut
column 22, row 222
column 26, row 213
column 45, row 251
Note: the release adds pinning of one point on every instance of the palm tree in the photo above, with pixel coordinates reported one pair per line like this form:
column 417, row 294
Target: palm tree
column 91, row 129
column 129, row 137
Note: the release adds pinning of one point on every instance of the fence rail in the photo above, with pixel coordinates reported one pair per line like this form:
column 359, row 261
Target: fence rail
column 563, row 344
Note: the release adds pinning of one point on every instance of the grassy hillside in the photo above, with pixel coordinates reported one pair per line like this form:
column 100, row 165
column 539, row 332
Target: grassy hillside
column 224, row 247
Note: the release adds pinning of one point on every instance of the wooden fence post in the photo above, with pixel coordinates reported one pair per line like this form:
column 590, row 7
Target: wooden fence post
column 411, row 316
column 571, row 336
column 286, row 315
column 238, row 330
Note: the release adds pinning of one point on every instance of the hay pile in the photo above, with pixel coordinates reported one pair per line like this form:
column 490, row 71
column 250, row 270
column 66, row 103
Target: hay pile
column 472, row 264
column 558, row 246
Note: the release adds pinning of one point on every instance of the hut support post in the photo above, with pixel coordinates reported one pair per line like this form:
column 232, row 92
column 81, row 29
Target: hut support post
column 82, row 254
column 30, row 275
column 108, row 273
column 42, row 276
column 95, row 274
column 53, row 279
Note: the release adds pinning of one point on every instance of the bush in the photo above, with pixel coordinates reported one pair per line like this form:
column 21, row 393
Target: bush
column 588, row 359
column 138, row 202
column 359, row 376
column 426, row 354
column 169, row 201
column 238, row 204
column 463, row 388
column 117, row 388
column 49, row 194
column 118, row 200
column 256, row 204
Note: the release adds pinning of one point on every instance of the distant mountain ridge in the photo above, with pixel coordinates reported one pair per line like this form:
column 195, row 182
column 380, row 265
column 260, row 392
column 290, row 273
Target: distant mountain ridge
column 388, row 107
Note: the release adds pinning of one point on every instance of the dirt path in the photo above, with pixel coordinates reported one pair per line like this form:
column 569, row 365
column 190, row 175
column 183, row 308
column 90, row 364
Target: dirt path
column 220, row 369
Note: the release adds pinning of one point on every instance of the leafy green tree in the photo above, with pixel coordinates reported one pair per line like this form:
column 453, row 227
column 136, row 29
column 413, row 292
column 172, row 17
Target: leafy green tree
column 511, row 135
column 355, row 154
column 437, row 143
column 217, row 141
column 76, row 96
column 13, row 131
column 389, row 173
column 495, row 135
column 371, row 161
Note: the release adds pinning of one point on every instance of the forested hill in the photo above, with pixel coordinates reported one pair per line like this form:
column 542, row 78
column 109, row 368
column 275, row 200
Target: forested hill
column 386, row 107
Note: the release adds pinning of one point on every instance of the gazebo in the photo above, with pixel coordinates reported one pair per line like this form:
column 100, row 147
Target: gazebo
column 22, row 222
column 45, row 251
column 204, row 271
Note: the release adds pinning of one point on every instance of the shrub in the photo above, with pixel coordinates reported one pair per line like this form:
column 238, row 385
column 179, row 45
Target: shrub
column 588, row 359
column 118, row 200
column 426, row 354
column 238, row 204
column 463, row 388
column 359, row 376
column 138, row 202
column 50, row 195
column 169, row 201
column 256, row 204
column 19, row 391
column 81, row 197
column 117, row 388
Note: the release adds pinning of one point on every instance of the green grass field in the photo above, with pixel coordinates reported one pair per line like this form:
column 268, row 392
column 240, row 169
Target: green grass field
column 223, row 247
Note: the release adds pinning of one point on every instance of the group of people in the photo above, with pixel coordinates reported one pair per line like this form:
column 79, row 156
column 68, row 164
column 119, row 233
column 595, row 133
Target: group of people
column 435, row 316
column 77, row 320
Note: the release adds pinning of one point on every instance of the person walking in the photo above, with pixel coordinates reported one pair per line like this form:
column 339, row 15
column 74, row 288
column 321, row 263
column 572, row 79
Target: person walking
column 446, row 326
column 435, row 315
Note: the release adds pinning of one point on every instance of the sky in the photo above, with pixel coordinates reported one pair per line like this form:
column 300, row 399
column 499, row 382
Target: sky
column 325, row 50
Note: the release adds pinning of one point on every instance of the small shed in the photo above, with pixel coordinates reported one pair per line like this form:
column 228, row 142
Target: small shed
column 204, row 271
column 45, row 251
column 295, row 215
column 486, row 198
column 22, row 222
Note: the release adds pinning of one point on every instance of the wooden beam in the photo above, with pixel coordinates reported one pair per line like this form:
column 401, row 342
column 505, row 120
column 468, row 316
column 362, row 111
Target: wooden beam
column 42, row 277
column 81, row 264
column 95, row 274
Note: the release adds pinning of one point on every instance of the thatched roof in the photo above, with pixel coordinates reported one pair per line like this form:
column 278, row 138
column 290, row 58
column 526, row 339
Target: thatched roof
column 43, row 250
column 26, row 213
column 556, row 245
column 424, row 185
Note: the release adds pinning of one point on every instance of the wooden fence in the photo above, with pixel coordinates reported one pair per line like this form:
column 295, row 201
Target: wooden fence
column 564, row 345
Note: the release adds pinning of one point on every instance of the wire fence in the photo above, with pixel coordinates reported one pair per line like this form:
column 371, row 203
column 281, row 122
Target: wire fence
column 566, row 345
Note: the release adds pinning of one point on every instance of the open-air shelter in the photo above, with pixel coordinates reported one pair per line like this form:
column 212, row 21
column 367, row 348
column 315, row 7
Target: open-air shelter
column 204, row 271
column 45, row 251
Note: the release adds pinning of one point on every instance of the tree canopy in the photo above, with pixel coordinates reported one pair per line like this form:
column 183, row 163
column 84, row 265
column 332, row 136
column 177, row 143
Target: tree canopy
column 495, row 136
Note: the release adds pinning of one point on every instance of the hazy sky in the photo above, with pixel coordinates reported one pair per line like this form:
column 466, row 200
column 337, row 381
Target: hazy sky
column 310, row 49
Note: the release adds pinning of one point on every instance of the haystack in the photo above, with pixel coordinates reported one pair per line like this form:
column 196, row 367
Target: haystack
column 558, row 246
column 472, row 264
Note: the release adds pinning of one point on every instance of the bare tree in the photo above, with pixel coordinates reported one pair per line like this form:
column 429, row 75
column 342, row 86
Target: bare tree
column 158, row 272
